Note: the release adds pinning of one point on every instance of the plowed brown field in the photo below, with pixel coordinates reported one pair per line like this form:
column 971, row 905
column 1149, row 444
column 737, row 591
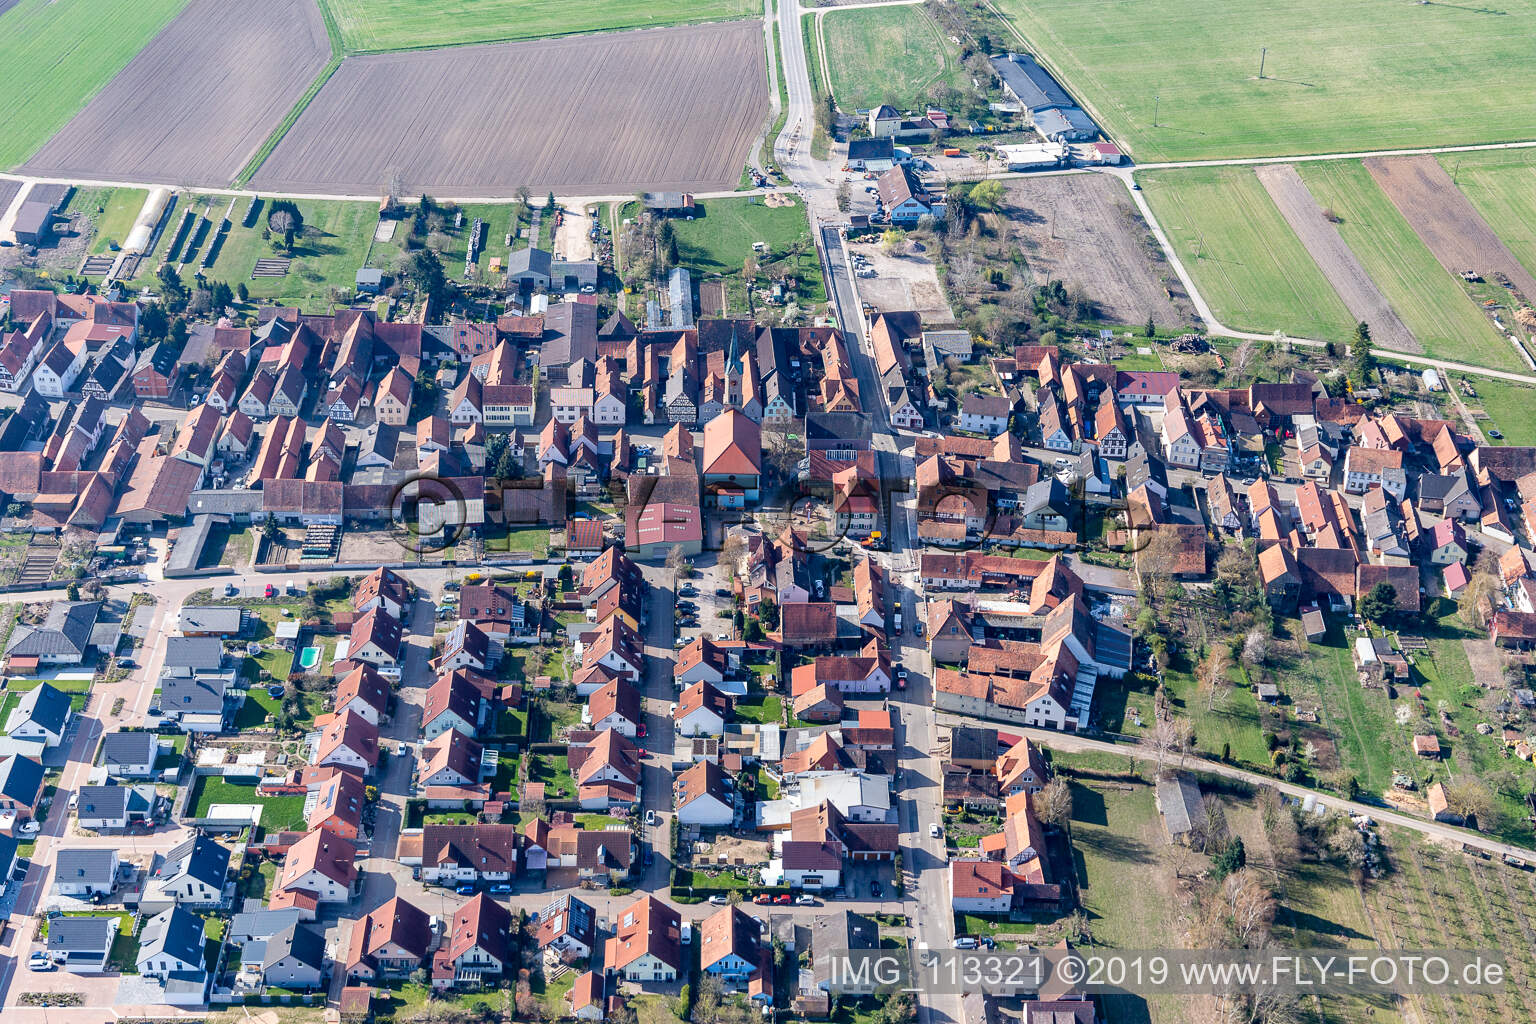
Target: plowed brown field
column 1082, row 230
column 669, row 108
column 199, row 100
column 1454, row 232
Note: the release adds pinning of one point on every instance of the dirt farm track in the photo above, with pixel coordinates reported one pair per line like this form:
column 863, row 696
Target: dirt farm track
column 199, row 100
column 673, row 108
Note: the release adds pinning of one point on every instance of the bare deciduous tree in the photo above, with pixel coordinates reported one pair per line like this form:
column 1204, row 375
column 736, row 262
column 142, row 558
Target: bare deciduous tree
column 1213, row 674
column 1055, row 806
column 1251, row 906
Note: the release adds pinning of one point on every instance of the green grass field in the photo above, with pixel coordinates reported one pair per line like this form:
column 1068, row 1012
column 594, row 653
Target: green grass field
column 721, row 237
column 112, row 211
column 337, row 237
column 892, row 55
column 58, row 54
column 410, row 24
column 1245, row 259
column 1372, row 74
column 1431, row 303
column 1509, row 407
column 1501, row 185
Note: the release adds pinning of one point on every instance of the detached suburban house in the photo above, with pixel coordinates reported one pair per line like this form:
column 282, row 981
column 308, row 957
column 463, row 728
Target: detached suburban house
column 647, row 943
column 62, row 639
column 390, row 942
column 85, row 872
column 43, row 715
column 82, row 943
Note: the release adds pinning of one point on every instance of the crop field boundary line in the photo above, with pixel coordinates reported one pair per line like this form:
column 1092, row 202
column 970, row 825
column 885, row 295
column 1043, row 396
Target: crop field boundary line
column 260, row 156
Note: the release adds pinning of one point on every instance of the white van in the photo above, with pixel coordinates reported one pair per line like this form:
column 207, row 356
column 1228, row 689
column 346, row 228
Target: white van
column 965, row 942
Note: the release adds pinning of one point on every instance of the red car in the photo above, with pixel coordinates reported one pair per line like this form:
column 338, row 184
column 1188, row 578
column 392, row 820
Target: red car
column 270, row 591
column 783, row 899
column 762, row 899
column 640, row 731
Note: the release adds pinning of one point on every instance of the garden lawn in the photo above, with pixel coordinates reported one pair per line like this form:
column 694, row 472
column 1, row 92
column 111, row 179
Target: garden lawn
column 259, row 704
column 1445, row 680
column 1501, row 185
column 894, row 55
column 720, row 238
column 1371, row 74
column 760, row 708
column 505, row 780
column 531, row 539
column 1370, row 744
column 60, row 53
column 1232, row 719
column 597, row 822
column 279, row 813
column 1117, row 848
column 1510, row 407
column 1245, row 259
column 1432, row 303
column 554, row 771
column 410, row 25
column 112, row 211
column 338, row 237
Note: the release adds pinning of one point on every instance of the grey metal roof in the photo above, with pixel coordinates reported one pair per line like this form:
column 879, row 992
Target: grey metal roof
column 46, row 705
column 1061, row 121
column 972, row 744
column 871, row 149
column 81, row 934
column 85, row 867
column 129, row 748
column 1178, row 797
column 230, row 502
column 1046, row 494
column 251, row 925
column 66, row 631
column 174, row 932
column 196, row 653
column 529, row 261
column 1030, row 83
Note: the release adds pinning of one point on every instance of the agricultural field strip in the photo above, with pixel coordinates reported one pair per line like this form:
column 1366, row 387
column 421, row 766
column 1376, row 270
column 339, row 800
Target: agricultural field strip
column 1334, row 258
column 679, row 114
column 1502, row 188
column 1251, row 268
column 1434, row 304
column 379, row 26
column 200, row 98
column 1449, row 225
column 60, row 53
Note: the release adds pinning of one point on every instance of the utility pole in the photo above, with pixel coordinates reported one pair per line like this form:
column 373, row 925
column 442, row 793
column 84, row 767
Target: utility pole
column 1263, row 52
column 1155, row 99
